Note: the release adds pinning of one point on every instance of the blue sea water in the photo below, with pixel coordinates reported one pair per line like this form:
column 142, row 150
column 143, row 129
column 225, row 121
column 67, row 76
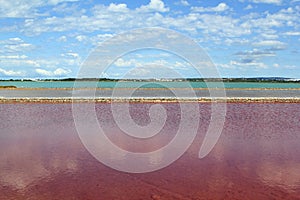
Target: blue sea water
column 112, row 84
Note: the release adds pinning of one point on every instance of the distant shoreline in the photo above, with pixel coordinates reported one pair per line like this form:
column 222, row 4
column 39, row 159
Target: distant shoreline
column 255, row 79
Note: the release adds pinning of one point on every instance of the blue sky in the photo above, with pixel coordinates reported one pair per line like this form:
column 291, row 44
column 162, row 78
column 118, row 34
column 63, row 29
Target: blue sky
column 244, row 38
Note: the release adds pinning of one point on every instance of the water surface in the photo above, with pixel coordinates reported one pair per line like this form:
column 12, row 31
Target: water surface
column 257, row 156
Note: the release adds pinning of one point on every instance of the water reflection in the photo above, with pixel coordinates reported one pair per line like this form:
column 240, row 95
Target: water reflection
column 24, row 161
column 285, row 175
column 257, row 156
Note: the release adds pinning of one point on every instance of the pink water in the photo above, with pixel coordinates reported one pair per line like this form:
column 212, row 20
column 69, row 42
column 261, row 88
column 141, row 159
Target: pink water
column 256, row 157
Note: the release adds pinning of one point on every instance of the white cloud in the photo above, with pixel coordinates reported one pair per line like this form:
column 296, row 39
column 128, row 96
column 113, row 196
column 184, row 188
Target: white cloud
column 18, row 47
column 44, row 72
column 117, row 7
column 33, row 63
column 290, row 66
column 266, row 21
column 55, row 2
column 225, row 66
column 18, row 61
column 72, row 54
column 210, row 25
column 154, row 6
column 269, row 36
column 81, row 38
column 249, row 64
column 14, row 45
column 183, row 3
column 16, row 39
column 13, row 56
column 62, row 39
column 126, row 63
column 25, row 8
column 255, row 53
column 57, row 72
column 12, row 72
column 268, row 1
column 155, row 69
column 291, row 33
column 219, row 8
column 217, row 26
column 67, row 60
column 181, row 65
column 96, row 40
column 249, row 7
column 270, row 43
column 142, row 67
column 60, row 72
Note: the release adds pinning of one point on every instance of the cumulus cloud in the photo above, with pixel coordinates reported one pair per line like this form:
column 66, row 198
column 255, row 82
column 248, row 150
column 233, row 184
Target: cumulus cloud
column 62, row 39
column 25, row 8
column 267, row 1
column 14, row 45
column 259, row 31
column 248, row 7
column 126, row 63
column 18, row 47
column 249, row 63
column 290, row 66
column 72, row 54
column 154, row 6
column 18, row 61
column 219, row 8
column 272, row 45
column 292, row 33
column 265, row 22
column 256, row 53
column 212, row 25
column 16, row 39
column 12, row 72
column 81, row 38
column 154, row 70
column 118, row 7
column 183, row 3
column 215, row 26
column 13, row 56
column 57, row 72
column 268, row 43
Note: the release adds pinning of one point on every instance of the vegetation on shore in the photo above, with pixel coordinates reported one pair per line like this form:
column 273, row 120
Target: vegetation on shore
column 7, row 87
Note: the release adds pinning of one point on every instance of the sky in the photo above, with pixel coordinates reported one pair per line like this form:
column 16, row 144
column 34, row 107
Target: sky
column 243, row 38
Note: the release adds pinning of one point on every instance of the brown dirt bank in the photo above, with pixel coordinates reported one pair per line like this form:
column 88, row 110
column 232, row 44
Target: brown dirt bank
column 8, row 87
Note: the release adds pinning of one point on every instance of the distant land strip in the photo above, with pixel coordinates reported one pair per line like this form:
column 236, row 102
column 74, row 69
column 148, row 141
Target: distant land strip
column 245, row 79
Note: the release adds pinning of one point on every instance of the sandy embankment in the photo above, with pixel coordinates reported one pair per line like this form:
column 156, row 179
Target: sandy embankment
column 152, row 100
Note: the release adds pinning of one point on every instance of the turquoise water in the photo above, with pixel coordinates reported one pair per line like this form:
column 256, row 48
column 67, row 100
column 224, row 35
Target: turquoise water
column 111, row 84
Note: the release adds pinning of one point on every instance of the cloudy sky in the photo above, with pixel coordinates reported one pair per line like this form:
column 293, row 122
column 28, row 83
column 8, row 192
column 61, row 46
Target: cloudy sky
column 244, row 38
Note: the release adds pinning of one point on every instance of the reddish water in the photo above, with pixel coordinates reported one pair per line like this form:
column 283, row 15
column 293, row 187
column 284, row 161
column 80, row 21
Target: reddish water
column 256, row 157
